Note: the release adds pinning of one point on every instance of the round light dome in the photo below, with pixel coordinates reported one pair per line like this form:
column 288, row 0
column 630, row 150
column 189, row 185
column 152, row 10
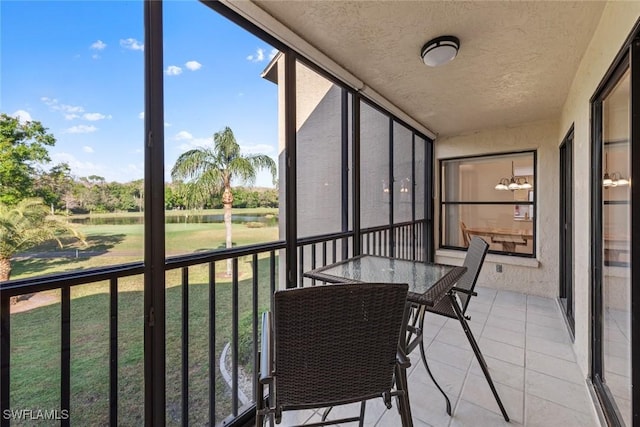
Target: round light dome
column 440, row 50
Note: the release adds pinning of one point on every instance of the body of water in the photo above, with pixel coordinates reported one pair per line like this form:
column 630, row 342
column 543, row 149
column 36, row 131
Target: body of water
column 267, row 219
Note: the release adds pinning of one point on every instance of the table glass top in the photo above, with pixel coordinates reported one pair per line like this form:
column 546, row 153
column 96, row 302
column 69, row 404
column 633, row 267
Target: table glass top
column 418, row 275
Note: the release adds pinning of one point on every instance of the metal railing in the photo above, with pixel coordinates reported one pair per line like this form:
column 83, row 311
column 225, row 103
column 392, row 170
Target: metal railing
column 401, row 240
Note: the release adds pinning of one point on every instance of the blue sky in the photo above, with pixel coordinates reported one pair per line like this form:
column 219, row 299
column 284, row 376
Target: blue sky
column 77, row 67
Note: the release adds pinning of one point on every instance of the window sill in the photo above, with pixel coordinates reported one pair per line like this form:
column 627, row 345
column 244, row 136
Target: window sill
column 497, row 259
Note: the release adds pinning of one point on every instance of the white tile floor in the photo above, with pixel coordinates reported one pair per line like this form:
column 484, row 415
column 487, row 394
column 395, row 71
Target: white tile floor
column 528, row 349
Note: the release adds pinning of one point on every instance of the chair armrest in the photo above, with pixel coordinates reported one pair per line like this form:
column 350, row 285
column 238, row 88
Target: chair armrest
column 266, row 353
column 402, row 359
column 465, row 291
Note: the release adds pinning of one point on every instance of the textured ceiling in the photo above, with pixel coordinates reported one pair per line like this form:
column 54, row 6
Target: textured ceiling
column 515, row 65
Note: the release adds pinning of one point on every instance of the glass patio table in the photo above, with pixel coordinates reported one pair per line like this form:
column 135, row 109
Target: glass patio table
column 428, row 284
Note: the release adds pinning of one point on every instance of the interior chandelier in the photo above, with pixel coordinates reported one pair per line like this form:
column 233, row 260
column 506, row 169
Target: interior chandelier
column 515, row 183
column 615, row 179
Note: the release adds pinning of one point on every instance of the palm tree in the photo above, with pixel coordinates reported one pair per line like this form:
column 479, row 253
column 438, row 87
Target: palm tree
column 213, row 170
column 24, row 226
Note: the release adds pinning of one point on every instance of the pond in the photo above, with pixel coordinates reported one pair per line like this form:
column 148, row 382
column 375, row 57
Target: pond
column 268, row 219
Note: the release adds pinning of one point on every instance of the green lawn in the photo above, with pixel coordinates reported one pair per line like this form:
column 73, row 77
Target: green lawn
column 35, row 351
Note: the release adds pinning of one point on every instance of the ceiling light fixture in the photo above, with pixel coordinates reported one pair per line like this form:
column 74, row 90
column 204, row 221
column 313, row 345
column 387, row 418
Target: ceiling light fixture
column 440, row 50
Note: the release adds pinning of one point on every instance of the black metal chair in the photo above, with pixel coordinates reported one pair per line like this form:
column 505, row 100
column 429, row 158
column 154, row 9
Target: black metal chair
column 332, row 345
column 454, row 306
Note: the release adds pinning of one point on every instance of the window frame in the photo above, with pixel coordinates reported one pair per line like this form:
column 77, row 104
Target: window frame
column 443, row 203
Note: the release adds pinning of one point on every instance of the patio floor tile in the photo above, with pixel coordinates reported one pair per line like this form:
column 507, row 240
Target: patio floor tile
column 526, row 345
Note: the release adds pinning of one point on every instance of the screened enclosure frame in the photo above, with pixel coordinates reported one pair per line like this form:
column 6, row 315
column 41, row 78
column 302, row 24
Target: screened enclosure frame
column 155, row 328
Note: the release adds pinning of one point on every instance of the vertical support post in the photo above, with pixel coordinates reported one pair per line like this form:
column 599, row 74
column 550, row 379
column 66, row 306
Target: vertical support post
column 412, row 188
column 185, row 346
column 355, row 158
column 429, row 186
column 65, row 353
column 5, row 355
column 212, row 343
column 291, row 229
column 113, row 351
column 392, row 234
column 234, row 339
column 635, row 229
column 154, row 245
column 344, row 115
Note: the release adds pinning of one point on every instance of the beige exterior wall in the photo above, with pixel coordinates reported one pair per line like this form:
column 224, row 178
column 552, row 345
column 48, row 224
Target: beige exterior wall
column 540, row 277
column 537, row 276
column 615, row 25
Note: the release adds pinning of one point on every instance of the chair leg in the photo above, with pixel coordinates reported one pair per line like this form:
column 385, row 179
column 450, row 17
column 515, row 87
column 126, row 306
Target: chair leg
column 426, row 365
column 478, row 354
column 259, row 404
column 403, row 397
column 325, row 414
column 362, row 408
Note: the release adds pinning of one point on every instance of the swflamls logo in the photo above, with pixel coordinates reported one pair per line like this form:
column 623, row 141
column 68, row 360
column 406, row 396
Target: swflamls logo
column 35, row 414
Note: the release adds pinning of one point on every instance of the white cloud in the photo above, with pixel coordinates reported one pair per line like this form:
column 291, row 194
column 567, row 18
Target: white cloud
column 78, row 167
column 173, row 70
column 131, row 44
column 69, row 111
column 256, row 149
column 167, row 124
column 92, row 117
column 257, row 57
column 183, row 135
column 273, row 53
column 98, row 45
column 192, row 143
column 82, row 129
column 193, row 65
column 95, row 56
column 87, row 149
column 23, row 116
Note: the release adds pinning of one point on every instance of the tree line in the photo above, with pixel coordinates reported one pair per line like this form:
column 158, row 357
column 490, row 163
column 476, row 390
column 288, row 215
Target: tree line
column 24, row 155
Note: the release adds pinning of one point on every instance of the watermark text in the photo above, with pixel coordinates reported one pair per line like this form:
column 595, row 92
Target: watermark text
column 35, row 414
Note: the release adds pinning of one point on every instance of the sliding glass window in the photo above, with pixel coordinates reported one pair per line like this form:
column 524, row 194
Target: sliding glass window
column 615, row 250
column 492, row 197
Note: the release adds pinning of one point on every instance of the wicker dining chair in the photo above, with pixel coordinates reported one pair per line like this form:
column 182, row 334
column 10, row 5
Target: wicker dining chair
column 330, row 345
column 454, row 305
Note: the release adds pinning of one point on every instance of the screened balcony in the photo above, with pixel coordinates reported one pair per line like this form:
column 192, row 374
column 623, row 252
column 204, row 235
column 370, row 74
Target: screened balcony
column 376, row 154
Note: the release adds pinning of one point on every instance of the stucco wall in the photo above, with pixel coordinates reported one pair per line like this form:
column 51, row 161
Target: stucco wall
column 540, row 277
column 617, row 20
column 537, row 276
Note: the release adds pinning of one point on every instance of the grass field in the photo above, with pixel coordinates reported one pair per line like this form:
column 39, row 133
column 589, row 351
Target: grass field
column 35, row 350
